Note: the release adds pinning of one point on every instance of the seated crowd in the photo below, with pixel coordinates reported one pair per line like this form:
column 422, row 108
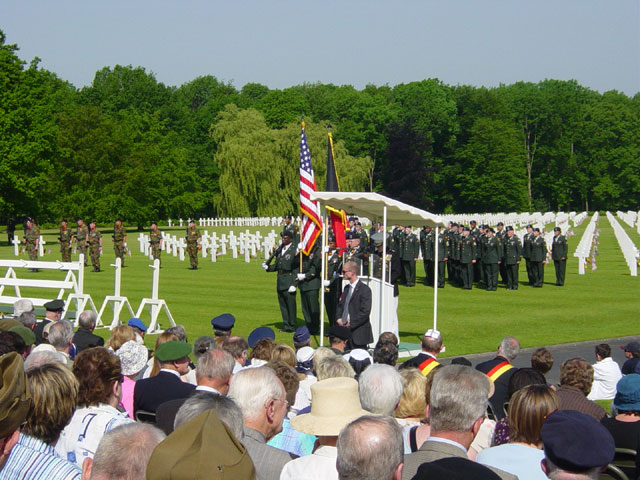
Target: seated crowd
column 75, row 407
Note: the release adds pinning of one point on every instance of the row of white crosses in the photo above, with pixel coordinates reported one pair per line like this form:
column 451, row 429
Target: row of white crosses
column 630, row 218
column 16, row 246
column 583, row 250
column 629, row 250
column 242, row 222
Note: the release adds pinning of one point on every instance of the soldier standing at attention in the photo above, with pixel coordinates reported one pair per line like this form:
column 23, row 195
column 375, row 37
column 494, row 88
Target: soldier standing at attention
column 468, row 252
column 64, row 239
column 292, row 228
column 333, row 283
column 155, row 240
column 512, row 253
column 119, row 240
column 491, row 258
column 193, row 241
column 32, row 240
column 475, row 233
column 309, row 283
column 286, row 265
column 408, row 255
column 501, row 235
column 443, row 256
column 95, row 246
column 538, row 258
column 82, row 238
column 454, row 253
column 559, row 250
column 527, row 246
column 427, row 239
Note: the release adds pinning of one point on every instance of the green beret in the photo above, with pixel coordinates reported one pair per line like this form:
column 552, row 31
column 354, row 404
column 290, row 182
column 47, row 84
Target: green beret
column 15, row 400
column 27, row 335
column 172, row 350
column 7, row 324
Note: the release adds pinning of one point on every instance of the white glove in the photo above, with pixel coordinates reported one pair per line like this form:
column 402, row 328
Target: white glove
column 265, row 267
column 326, row 249
column 292, row 289
column 326, row 283
column 302, row 276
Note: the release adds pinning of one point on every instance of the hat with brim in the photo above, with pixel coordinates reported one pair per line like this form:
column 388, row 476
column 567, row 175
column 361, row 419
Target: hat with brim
column 15, row 399
column 335, row 404
column 56, row 305
column 172, row 350
column 632, row 347
column 628, row 393
column 133, row 357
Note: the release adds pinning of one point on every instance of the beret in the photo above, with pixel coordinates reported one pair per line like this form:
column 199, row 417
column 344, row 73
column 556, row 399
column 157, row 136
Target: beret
column 301, row 335
column 172, row 350
column 287, row 233
column 7, row 324
column 337, row 331
column 226, row 321
column 56, row 305
column 536, row 230
column 15, row 399
column 529, row 226
column 509, row 228
column 136, row 322
column 576, row 442
column 258, row 334
column 557, row 229
column 465, row 229
column 27, row 335
column 500, row 224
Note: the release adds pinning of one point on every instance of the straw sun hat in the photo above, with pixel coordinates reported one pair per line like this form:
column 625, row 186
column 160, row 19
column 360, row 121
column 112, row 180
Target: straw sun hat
column 335, row 404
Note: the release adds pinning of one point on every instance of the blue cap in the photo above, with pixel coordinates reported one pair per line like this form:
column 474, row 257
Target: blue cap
column 576, row 442
column 223, row 322
column 628, row 393
column 136, row 322
column 260, row 333
column 302, row 335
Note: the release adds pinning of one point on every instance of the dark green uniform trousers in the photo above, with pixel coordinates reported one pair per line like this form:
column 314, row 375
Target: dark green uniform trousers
column 537, row 270
column 287, row 303
column 409, row 268
column 561, row 267
column 491, row 276
column 311, row 310
column 466, row 274
column 512, row 276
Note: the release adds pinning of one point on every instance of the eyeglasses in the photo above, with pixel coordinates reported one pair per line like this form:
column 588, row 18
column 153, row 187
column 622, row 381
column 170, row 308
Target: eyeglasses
column 286, row 402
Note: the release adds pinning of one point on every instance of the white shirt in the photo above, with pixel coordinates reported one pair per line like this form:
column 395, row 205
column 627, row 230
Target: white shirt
column 321, row 465
column 204, row 388
column 606, row 374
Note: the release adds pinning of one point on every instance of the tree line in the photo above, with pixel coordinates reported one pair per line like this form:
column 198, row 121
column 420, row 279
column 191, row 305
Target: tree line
column 129, row 146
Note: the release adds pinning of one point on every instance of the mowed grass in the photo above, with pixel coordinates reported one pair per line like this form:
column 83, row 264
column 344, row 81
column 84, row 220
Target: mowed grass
column 600, row 304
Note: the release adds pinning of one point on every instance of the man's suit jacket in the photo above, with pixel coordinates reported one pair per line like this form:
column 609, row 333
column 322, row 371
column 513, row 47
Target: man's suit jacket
column 359, row 311
column 84, row 339
column 269, row 461
column 433, row 450
column 150, row 393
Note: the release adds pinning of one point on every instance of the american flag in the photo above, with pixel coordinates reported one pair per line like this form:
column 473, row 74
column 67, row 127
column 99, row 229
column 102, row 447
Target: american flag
column 311, row 223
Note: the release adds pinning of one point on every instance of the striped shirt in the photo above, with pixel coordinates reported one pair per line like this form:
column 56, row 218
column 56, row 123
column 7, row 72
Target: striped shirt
column 32, row 459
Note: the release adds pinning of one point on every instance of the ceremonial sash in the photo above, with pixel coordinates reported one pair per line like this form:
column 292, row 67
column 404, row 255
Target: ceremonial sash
column 428, row 365
column 497, row 371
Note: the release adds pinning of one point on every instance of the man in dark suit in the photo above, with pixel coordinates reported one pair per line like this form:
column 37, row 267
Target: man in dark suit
column 151, row 392
column 84, row 338
column 354, row 308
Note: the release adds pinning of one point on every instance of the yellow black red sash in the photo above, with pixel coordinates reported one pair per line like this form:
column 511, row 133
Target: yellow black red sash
column 498, row 370
column 428, row 365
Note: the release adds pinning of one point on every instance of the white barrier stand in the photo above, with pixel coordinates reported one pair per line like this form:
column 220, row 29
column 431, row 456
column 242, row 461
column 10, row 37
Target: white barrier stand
column 80, row 297
column 154, row 303
column 116, row 300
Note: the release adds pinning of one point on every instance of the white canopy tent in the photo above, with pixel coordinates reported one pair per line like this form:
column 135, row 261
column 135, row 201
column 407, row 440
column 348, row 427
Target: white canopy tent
column 383, row 210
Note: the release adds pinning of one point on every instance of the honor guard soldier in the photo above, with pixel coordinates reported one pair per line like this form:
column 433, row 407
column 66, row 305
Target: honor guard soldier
column 286, row 265
column 119, row 240
column 475, row 232
column 443, row 256
column 527, row 246
column 559, row 250
column 292, row 228
column 82, row 239
column 512, row 254
column 309, row 283
column 193, row 242
column 468, row 252
column 409, row 251
column 333, row 283
column 32, row 240
column 95, row 246
column 64, row 239
column 155, row 240
column 454, row 253
column 427, row 245
column 501, row 234
column 491, row 258
column 538, row 258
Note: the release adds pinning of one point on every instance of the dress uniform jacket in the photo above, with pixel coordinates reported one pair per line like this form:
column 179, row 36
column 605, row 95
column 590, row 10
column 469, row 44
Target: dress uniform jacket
column 559, row 248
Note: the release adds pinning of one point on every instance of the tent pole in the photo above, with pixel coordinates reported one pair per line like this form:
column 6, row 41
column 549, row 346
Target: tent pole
column 383, row 259
column 435, row 280
column 325, row 242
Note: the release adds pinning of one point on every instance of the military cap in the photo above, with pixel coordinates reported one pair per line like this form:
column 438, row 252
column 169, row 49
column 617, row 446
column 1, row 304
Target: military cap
column 529, row 226
column 172, row 350
column 491, row 230
column 509, row 228
column 576, row 442
column 137, row 323
column 7, row 324
column 28, row 219
column 633, row 347
column 301, row 335
column 56, row 305
column 331, row 239
column 500, row 224
column 465, row 229
column 224, row 322
column 473, row 222
column 454, row 224
column 377, row 238
column 338, row 331
column 536, row 230
column 557, row 229
column 80, row 218
column 287, row 233
column 15, row 399
column 288, row 216
column 260, row 333
column 348, row 235
column 27, row 335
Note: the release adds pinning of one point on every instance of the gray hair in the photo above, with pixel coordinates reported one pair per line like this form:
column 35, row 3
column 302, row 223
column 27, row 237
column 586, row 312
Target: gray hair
column 87, row 319
column 61, row 334
column 253, row 388
column 226, row 409
column 28, row 319
column 202, row 345
column 459, row 396
column 44, row 357
column 334, row 367
column 557, row 473
column 370, row 448
column 510, row 347
column 179, row 332
column 215, row 364
column 320, row 354
column 111, row 461
column 380, row 389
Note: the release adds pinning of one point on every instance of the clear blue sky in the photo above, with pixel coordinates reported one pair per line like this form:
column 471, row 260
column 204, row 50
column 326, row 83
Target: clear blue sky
column 281, row 43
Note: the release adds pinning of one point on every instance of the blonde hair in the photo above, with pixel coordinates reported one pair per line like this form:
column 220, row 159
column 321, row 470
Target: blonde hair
column 284, row 353
column 412, row 402
column 528, row 409
column 320, row 354
column 164, row 337
column 119, row 336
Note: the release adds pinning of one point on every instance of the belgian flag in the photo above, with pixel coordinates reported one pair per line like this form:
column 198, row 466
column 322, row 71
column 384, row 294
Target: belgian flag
column 338, row 218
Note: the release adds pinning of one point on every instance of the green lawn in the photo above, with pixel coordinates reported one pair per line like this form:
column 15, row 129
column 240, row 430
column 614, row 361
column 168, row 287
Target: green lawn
column 602, row 303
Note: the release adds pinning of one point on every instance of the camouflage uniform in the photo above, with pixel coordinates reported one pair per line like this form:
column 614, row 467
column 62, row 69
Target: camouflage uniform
column 31, row 237
column 94, row 248
column 193, row 237
column 64, row 239
column 81, row 239
column 119, row 237
column 154, row 241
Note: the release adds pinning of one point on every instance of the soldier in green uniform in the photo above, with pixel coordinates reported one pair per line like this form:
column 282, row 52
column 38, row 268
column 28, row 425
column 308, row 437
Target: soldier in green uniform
column 363, row 248
column 468, row 252
column 482, row 235
column 309, row 283
column 454, row 253
column 443, row 256
column 119, row 240
column 286, row 265
column 477, row 267
column 82, row 239
column 32, row 240
column 155, row 240
column 64, row 239
column 538, row 258
column 333, row 283
column 527, row 245
column 501, row 234
column 559, row 250
column 491, row 258
column 409, row 251
column 512, row 254
column 427, row 239
column 292, row 228
column 193, row 241
column 95, row 246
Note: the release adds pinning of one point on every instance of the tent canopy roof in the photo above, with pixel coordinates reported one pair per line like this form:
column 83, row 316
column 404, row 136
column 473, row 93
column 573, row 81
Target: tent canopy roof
column 371, row 205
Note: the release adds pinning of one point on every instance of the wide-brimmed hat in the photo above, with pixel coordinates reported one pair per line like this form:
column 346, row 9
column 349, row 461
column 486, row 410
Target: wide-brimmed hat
column 335, row 403
column 628, row 393
column 133, row 357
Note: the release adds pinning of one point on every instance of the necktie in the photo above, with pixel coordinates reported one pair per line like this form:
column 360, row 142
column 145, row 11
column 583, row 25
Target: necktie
column 345, row 312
